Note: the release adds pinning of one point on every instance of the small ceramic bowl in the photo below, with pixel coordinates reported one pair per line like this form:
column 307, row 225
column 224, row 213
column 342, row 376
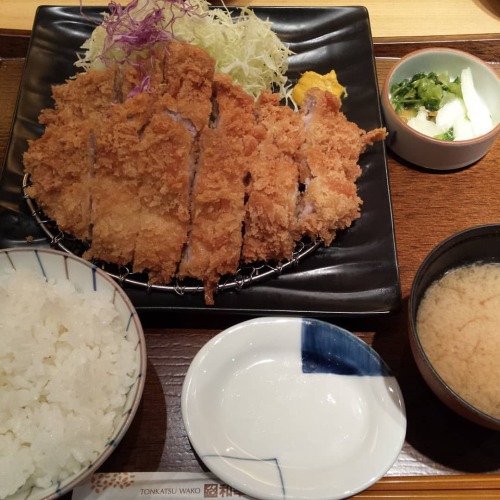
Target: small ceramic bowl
column 472, row 246
column 422, row 150
column 55, row 265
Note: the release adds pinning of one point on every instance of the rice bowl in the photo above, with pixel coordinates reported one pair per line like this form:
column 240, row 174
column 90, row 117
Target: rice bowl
column 72, row 366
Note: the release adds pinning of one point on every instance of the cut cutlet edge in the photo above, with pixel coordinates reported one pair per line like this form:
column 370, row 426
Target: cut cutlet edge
column 181, row 70
column 61, row 161
column 182, row 112
column 274, row 183
column 330, row 203
column 218, row 193
column 115, row 204
column 62, row 192
column 165, row 164
column 331, row 151
column 188, row 78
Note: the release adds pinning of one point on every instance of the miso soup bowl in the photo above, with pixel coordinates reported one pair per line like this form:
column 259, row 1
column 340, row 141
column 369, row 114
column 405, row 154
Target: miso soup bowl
column 479, row 244
column 435, row 154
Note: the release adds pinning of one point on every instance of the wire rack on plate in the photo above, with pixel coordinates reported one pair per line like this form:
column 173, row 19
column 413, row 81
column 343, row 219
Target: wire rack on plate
column 245, row 276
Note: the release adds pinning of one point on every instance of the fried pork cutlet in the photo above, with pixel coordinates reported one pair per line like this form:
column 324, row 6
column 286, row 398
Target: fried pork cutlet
column 61, row 161
column 274, row 180
column 331, row 151
column 189, row 73
column 168, row 168
column 165, row 163
column 218, row 196
column 116, row 206
column 60, row 165
column 168, row 157
column 181, row 70
column 85, row 96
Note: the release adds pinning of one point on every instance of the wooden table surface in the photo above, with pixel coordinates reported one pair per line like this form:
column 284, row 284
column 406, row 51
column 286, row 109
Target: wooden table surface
column 387, row 17
column 427, row 207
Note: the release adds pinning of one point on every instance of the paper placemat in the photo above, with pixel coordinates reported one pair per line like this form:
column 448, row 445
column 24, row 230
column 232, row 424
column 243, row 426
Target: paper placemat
column 143, row 485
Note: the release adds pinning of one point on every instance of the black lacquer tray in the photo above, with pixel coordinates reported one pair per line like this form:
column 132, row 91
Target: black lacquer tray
column 356, row 277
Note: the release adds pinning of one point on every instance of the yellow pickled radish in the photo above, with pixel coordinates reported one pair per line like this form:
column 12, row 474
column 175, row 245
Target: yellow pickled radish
column 310, row 79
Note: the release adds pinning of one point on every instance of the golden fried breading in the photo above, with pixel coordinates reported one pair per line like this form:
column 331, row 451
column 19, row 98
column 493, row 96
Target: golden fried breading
column 165, row 164
column 85, row 96
column 183, row 71
column 189, row 73
column 218, row 194
column 116, row 207
column 273, row 188
column 331, row 152
column 60, row 162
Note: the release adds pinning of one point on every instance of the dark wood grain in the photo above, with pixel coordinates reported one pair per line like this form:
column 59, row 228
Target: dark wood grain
column 427, row 208
column 14, row 43
column 482, row 46
column 10, row 77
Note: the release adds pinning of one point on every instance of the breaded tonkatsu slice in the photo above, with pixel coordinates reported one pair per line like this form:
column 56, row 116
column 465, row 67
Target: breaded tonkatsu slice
column 60, row 165
column 168, row 157
column 180, row 78
column 274, row 183
column 165, row 163
column 181, row 70
column 61, row 161
column 116, row 206
column 88, row 95
column 189, row 75
column 330, row 134
column 331, row 152
column 218, row 194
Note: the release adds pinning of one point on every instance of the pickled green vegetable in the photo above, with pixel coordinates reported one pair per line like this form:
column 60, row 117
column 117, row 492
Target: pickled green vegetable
column 447, row 136
column 430, row 90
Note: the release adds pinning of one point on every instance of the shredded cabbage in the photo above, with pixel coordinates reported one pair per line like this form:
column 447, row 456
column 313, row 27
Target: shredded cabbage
column 242, row 45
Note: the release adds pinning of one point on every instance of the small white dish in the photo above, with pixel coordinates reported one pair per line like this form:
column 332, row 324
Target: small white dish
column 293, row 408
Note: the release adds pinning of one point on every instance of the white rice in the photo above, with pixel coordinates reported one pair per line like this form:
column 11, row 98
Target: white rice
column 66, row 366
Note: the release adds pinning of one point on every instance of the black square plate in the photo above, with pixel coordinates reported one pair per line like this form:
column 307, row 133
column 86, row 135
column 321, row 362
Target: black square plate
column 356, row 277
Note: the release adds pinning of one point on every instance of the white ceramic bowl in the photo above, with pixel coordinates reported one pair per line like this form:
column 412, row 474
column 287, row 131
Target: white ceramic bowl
column 86, row 277
column 425, row 151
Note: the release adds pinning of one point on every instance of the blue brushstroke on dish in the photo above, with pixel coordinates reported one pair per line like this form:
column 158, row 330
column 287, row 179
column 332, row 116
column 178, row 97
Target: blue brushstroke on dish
column 94, row 279
column 130, row 318
column 273, row 461
column 329, row 349
column 40, row 263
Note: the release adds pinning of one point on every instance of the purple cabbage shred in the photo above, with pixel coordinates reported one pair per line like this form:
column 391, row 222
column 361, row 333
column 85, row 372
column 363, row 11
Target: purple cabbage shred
column 135, row 28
